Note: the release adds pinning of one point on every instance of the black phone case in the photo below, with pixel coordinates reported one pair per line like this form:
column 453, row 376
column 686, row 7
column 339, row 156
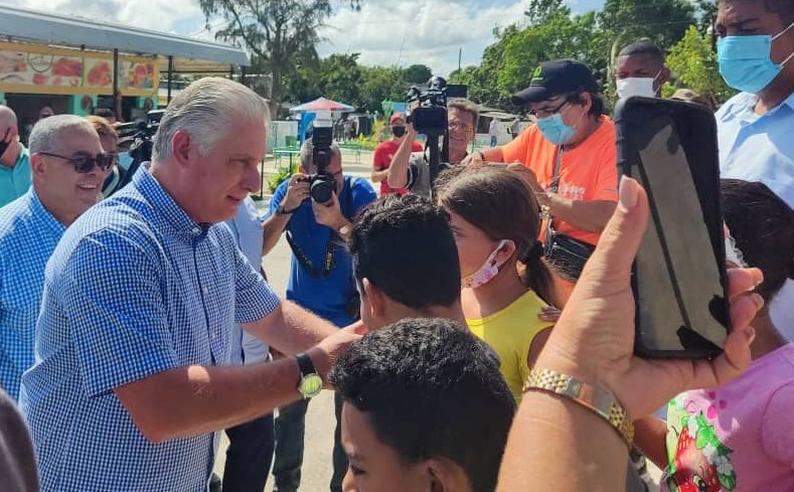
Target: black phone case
column 633, row 115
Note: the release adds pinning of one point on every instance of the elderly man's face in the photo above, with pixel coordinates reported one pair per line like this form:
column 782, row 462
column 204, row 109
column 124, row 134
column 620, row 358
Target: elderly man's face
column 229, row 172
column 73, row 192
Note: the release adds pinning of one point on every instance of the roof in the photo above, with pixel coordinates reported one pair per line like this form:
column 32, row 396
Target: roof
column 39, row 27
column 323, row 104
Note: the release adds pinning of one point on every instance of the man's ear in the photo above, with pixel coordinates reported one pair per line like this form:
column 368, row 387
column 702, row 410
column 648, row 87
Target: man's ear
column 375, row 298
column 444, row 475
column 182, row 145
column 664, row 77
column 37, row 165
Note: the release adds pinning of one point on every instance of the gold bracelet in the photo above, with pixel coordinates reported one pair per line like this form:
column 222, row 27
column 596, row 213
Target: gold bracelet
column 598, row 400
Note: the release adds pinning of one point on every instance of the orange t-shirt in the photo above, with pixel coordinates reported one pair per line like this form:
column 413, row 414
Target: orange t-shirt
column 587, row 173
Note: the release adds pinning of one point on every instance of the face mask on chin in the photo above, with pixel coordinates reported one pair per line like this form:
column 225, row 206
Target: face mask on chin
column 487, row 272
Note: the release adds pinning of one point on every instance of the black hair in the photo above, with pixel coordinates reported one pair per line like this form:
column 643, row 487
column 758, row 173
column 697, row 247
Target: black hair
column 430, row 389
column 499, row 203
column 404, row 246
column 762, row 225
column 105, row 113
column 644, row 47
column 598, row 107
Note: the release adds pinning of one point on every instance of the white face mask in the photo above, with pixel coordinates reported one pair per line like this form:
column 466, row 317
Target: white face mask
column 636, row 86
column 487, row 272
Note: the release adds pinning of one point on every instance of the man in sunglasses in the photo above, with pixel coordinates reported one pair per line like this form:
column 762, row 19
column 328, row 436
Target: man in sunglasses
column 385, row 152
column 14, row 159
column 68, row 168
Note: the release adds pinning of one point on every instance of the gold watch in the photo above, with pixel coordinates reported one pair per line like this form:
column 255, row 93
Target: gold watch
column 598, row 400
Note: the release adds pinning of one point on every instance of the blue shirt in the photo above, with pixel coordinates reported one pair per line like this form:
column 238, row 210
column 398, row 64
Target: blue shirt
column 757, row 147
column 247, row 230
column 15, row 181
column 134, row 288
column 327, row 297
column 28, row 236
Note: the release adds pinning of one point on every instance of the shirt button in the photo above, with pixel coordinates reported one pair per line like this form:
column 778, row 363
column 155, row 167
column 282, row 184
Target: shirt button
column 205, row 290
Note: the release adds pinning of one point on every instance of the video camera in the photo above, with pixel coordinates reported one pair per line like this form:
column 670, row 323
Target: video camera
column 429, row 114
column 322, row 185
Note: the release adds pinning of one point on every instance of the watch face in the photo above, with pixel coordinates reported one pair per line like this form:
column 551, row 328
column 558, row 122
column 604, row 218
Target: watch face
column 311, row 385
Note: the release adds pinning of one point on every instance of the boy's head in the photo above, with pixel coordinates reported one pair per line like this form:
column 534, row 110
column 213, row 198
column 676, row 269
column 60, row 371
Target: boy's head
column 405, row 260
column 425, row 408
column 762, row 225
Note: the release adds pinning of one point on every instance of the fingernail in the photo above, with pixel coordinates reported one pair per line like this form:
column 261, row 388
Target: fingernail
column 627, row 194
column 759, row 301
column 750, row 334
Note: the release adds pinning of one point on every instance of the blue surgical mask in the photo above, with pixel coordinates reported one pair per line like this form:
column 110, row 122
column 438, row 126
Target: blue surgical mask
column 555, row 130
column 746, row 61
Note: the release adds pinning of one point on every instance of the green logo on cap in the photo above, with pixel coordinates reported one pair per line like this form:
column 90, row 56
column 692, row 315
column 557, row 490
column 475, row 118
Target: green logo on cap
column 537, row 75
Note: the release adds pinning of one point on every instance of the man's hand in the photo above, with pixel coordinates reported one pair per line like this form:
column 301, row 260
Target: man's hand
column 594, row 338
column 325, row 354
column 329, row 214
column 297, row 191
column 531, row 180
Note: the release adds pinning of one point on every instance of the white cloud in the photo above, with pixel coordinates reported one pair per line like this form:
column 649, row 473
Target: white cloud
column 405, row 32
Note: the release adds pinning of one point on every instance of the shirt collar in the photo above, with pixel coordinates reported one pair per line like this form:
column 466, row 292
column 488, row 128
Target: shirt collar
column 745, row 102
column 41, row 214
column 166, row 206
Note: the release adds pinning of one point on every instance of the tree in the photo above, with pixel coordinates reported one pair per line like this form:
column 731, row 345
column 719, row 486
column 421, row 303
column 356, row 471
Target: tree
column 417, row 74
column 276, row 32
column 382, row 83
column 340, row 78
column 663, row 21
column 542, row 11
column 695, row 67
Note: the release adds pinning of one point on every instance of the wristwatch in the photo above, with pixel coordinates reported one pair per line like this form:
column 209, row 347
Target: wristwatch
column 344, row 231
column 282, row 211
column 310, row 384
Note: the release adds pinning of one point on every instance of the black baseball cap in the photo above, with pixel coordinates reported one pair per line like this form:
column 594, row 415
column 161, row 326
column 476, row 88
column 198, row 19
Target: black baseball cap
column 556, row 77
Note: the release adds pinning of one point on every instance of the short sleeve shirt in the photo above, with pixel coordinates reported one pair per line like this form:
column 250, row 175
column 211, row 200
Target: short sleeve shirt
column 587, row 172
column 384, row 154
column 134, row 288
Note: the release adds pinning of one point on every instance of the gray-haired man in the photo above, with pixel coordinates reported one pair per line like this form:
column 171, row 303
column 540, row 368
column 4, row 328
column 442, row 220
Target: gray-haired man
column 68, row 168
column 138, row 300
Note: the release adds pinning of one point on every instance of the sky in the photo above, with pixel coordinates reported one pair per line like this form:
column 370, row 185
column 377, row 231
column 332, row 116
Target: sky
column 396, row 32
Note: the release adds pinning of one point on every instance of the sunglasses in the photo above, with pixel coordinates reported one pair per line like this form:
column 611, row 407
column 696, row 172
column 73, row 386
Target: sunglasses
column 84, row 162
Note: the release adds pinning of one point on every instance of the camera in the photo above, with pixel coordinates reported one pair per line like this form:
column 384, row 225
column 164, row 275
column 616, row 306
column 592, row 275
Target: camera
column 429, row 112
column 322, row 185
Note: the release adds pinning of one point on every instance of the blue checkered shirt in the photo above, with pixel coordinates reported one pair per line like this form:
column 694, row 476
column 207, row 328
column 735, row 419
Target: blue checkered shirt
column 28, row 236
column 134, row 288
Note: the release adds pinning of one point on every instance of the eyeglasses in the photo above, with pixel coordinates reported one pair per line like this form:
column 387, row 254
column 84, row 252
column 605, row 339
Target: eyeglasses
column 84, row 162
column 543, row 112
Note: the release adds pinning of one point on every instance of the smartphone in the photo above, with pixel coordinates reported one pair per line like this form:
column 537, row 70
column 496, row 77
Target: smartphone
column 679, row 278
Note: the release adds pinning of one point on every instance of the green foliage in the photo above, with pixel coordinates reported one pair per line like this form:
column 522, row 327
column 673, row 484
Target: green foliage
column 417, row 74
column 662, row 21
column 281, row 175
column 694, row 65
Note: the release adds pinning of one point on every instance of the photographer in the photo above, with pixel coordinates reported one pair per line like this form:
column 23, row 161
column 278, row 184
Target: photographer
column 411, row 169
column 321, row 280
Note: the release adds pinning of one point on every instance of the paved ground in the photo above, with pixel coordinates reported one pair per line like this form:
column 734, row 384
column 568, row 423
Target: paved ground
column 320, row 419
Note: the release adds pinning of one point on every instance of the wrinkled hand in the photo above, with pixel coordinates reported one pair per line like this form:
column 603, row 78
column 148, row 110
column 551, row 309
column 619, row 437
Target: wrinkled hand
column 325, row 354
column 594, row 338
column 297, row 191
column 329, row 213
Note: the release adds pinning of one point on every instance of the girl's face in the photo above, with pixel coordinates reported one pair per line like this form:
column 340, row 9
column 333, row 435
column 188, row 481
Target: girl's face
column 474, row 246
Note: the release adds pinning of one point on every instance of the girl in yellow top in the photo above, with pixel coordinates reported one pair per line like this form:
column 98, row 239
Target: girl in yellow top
column 496, row 220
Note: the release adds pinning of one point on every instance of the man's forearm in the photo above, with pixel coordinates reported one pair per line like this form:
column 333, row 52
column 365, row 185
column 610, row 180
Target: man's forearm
column 291, row 329
column 587, row 216
column 493, row 154
column 379, row 175
column 587, row 454
column 272, row 230
column 194, row 400
column 398, row 169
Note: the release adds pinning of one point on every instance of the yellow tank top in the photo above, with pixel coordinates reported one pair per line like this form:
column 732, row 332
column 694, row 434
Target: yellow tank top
column 510, row 333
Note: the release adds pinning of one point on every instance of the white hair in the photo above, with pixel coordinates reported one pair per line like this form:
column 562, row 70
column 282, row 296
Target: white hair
column 47, row 133
column 307, row 154
column 8, row 116
column 206, row 110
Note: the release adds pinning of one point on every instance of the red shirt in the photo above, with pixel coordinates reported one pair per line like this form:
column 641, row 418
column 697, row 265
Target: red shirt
column 382, row 160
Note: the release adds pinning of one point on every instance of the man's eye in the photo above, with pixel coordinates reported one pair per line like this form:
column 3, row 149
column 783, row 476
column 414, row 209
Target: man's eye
column 356, row 470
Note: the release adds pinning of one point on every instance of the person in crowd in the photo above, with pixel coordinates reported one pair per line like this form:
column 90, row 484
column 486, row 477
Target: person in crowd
column 405, row 260
column 14, row 159
column 588, row 363
column 690, row 96
column 515, row 128
column 251, row 445
column 425, row 408
column 385, row 151
column 45, row 112
column 17, row 461
column 68, row 168
column 108, row 114
column 321, row 280
column 138, row 300
column 719, row 438
column 640, row 70
column 412, row 170
column 493, row 131
column 571, row 154
column 110, row 145
column 506, row 285
column 755, row 51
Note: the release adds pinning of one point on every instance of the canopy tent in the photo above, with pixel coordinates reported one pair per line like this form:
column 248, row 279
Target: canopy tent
column 323, row 104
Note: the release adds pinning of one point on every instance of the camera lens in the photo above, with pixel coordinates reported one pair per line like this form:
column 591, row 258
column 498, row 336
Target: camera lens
column 322, row 190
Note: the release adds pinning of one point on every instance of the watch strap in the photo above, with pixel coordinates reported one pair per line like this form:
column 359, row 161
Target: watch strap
column 598, row 400
column 305, row 364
